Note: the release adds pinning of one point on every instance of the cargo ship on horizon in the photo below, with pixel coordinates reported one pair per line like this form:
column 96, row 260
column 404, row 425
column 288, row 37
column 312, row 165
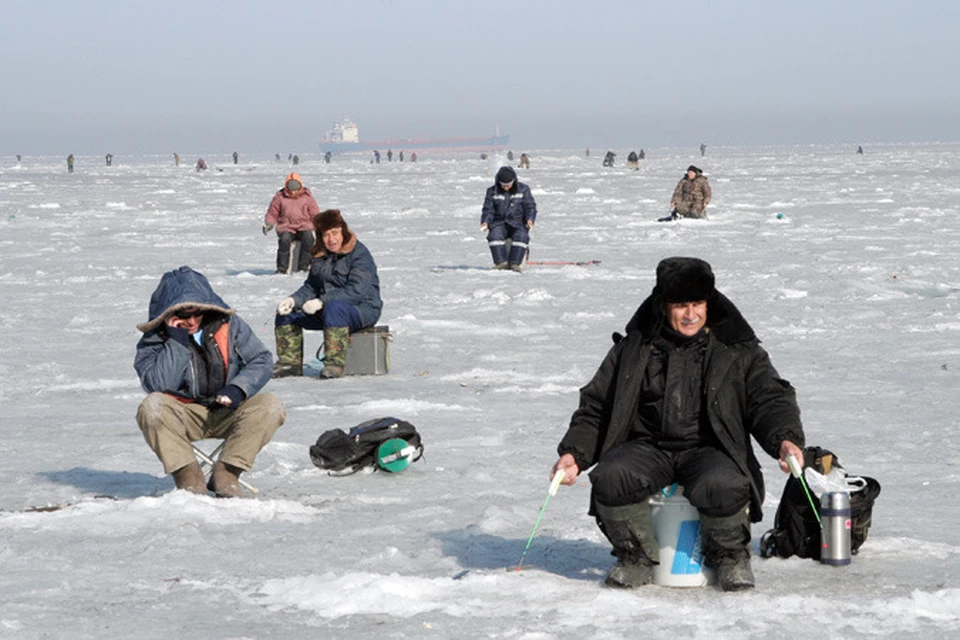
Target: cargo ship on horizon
column 345, row 137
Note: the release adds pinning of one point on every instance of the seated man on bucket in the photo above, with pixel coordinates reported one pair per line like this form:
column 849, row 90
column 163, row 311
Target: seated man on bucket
column 203, row 368
column 509, row 211
column 340, row 296
column 291, row 211
column 677, row 400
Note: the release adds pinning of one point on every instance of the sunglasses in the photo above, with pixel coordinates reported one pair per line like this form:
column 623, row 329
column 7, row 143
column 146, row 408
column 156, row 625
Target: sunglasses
column 183, row 314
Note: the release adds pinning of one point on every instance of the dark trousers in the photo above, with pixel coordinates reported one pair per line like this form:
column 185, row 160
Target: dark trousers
column 287, row 238
column 497, row 241
column 633, row 471
column 335, row 313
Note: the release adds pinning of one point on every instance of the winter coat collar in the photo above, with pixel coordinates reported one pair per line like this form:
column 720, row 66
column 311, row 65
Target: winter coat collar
column 724, row 320
column 345, row 249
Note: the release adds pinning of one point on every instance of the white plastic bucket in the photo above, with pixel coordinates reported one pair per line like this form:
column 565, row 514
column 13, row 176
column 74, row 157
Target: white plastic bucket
column 676, row 525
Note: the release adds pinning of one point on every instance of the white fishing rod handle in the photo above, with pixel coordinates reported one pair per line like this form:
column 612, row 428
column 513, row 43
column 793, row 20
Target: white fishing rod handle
column 557, row 479
column 795, row 466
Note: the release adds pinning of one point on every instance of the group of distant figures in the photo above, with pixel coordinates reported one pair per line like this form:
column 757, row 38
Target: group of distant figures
column 524, row 159
column 633, row 158
column 376, row 156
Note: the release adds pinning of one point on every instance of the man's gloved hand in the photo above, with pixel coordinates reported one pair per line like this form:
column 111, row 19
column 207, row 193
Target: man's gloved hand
column 230, row 397
column 267, row 228
column 286, row 306
column 311, row 306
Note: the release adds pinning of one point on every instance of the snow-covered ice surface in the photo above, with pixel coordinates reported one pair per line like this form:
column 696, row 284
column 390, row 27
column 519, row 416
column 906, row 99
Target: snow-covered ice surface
column 854, row 291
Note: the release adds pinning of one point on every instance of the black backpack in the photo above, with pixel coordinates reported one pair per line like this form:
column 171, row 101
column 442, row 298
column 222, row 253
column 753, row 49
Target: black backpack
column 795, row 527
column 343, row 453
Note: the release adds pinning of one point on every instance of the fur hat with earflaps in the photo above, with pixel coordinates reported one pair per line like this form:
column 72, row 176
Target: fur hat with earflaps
column 684, row 280
column 326, row 220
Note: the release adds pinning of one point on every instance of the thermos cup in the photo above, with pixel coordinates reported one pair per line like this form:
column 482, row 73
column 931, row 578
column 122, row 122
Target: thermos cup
column 836, row 517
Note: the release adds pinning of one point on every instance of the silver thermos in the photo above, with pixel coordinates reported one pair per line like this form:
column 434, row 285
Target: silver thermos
column 836, row 518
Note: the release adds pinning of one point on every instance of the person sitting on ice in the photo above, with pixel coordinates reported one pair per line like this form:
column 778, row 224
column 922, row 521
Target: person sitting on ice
column 608, row 159
column 203, row 368
column 677, row 400
column 524, row 161
column 340, row 296
column 292, row 210
column 633, row 161
column 509, row 211
column 690, row 197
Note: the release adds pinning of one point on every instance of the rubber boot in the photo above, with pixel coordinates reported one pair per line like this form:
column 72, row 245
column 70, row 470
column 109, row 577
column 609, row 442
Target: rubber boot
column 225, row 480
column 726, row 549
column 190, row 478
column 335, row 343
column 630, row 529
column 289, row 351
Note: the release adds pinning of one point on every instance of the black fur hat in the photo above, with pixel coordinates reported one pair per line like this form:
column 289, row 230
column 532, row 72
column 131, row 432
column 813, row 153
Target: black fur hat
column 684, row 280
column 696, row 170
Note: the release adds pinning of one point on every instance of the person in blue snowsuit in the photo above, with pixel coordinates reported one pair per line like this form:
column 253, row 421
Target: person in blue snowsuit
column 509, row 212
column 203, row 368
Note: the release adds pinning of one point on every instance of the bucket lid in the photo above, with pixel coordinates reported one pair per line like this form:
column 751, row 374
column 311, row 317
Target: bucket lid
column 395, row 454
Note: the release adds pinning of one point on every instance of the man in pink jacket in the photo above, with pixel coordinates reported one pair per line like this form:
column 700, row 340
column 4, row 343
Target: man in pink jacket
column 291, row 211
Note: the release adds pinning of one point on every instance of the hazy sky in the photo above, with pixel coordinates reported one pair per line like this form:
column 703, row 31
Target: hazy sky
column 90, row 76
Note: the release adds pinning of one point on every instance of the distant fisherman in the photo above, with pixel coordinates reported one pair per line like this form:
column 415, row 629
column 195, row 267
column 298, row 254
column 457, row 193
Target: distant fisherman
column 291, row 211
column 690, row 197
column 509, row 212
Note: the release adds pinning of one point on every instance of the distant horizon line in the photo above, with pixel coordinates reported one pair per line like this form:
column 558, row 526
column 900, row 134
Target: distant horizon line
column 454, row 151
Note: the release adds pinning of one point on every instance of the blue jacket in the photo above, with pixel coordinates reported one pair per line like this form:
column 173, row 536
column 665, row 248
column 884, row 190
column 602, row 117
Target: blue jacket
column 350, row 276
column 514, row 207
column 170, row 366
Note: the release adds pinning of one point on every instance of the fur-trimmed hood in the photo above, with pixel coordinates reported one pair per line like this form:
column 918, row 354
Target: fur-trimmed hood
column 182, row 288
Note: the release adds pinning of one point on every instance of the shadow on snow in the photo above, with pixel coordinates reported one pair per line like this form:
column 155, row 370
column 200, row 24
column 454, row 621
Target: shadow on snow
column 119, row 484
column 573, row 559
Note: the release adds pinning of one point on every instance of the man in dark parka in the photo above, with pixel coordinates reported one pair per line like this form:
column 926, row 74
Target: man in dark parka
column 676, row 400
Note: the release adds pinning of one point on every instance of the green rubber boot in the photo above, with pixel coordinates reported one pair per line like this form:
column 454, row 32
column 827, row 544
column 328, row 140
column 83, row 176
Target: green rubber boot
column 335, row 343
column 289, row 351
